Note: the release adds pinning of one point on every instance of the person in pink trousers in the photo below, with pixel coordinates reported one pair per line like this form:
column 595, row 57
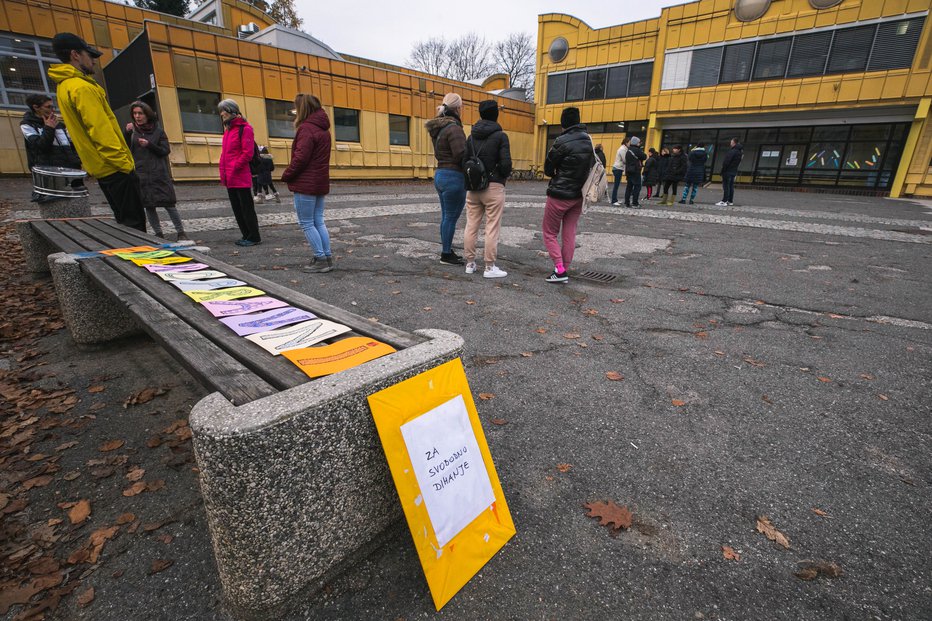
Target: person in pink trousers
column 239, row 145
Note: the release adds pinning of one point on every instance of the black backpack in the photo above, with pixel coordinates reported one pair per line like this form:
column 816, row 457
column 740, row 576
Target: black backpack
column 477, row 177
column 255, row 164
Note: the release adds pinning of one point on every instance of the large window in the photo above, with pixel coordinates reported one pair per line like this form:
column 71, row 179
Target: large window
column 898, row 41
column 556, row 88
column 851, row 48
column 346, row 124
column 23, row 66
column 399, row 130
column 810, row 52
column 199, row 111
column 576, row 86
column 600, row 83
column 280, row 118
column 595, row 84
column 736, row 67
column 705, row 67
column 771, row 59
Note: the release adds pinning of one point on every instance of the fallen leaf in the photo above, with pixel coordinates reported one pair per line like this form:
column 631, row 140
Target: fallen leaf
column 151, row 526
column 883, row 397
column 144, row 396
column 678, row 402
column 719, row 353
column 617, row 300
column 160, row 565
column 770, row 532
column 154, row 486
column 470, row 302
column 96, row 388
column 754, row 363
column 135, row 474
column 729, row 553
column 825, row 380
column 40, row 481
column 564, row 468
column 166, row 539
column 541, row 330
column 65, row 446
column 498, row 421
column 135, row 488
column 701, row 335
column 810, row 570
column 486, row 396
column 766, row 399
column 112, row 445
column 43, row 566
column 427, row 308
column 590, row 312
column 80, row 512
column 126, row 518
column 526, row 354
column 571, row 335
column 615, row 376
column 154, row 442
column 71, row 476
column 866, row 376
column 608, row 514
column 597, row 337
column 86, row 597
column 821, row 513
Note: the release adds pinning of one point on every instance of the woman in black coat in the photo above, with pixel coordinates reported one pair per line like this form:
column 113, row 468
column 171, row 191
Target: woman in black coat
column 673, row 173
column 695, row 173
column 150, row 149
column 651, row 171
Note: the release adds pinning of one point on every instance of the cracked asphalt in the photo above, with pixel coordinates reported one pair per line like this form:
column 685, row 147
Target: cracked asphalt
column 768, row 371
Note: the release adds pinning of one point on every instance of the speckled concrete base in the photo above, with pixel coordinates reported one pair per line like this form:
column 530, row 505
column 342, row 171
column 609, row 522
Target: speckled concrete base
column 296, row 485
column 92, row 316
column 36, row 249
column 79, row 207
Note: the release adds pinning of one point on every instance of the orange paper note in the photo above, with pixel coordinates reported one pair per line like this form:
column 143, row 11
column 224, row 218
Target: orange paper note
column 342, row 355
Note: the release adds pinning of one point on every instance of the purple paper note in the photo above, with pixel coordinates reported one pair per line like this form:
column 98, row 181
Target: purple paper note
column 265, row 321
column 229, row 308
column 182, row 267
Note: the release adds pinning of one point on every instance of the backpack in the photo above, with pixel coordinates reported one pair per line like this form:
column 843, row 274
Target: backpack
column 255, row 164
column 477, row 177
column 596, row 186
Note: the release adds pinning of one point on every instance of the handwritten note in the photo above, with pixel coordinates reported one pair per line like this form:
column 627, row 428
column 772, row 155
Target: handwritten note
column 448, row 467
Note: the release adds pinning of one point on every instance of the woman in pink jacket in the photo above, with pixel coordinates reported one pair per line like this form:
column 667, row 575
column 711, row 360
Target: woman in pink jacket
column 236, row 153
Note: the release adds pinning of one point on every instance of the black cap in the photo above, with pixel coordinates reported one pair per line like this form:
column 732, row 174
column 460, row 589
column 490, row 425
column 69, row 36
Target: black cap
column 569, row 117
column 488, row 110
column 67, row 41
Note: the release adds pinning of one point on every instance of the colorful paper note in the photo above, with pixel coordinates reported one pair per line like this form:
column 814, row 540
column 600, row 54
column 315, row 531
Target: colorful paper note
column 266, row 320
column 443, row 470
column 133, row 249
column 229, row 308
column 342, row 355
column 206, row 285
column 195, row 275
column 223, row 294
column 300, row 335
column 165, row 261
column 152, row 254
column 156, row 268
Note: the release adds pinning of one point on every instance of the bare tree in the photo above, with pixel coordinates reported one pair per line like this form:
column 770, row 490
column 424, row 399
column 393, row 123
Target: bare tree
column 431, row 56
column 284, row 13
column 469, row 58
column 515, row 56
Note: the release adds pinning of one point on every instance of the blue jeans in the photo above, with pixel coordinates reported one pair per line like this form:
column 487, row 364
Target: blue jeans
column 728, row 187
column 690, row 190
column 311, row 218
column 618, row 173
column 451, row 188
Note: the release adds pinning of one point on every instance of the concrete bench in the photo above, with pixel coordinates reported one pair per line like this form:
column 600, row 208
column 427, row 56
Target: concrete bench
column 294, row 479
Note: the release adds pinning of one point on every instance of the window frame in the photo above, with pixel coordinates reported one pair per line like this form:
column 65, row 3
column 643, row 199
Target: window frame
column 407, row 121
column 215, row 114
column 289, row 105
column 43, row 62
column 337, row 138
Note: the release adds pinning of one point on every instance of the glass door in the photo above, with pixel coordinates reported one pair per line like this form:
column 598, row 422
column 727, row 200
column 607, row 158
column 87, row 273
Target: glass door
column 768, row 163
column 791, row 163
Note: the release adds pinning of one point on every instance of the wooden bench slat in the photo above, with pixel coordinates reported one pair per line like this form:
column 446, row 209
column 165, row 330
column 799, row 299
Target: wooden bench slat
column 276, row 370
column 55, row 237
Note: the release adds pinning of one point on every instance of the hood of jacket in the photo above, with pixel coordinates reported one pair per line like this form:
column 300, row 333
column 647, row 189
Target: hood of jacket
column 235, row 121
column 63, row 71
column 738, row 146
column 319, row 119
column 484, row 128
column 31, row 118
column 438, row 124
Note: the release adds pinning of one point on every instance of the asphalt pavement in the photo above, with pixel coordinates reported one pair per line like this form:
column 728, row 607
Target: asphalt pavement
column 775, row 361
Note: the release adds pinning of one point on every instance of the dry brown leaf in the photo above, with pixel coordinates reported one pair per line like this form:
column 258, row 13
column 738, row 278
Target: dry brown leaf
column 427, row 308
column 498, row 421
column 96, row 388
column 883, row 397
column 718, row 353
column 615, row 376
column 590, row 312
column 80, row 511
column 810, row 570
column 112, row 445
column 597, row 337
column 43, row 566
column 564, row 468
column 526, row 354
column 160, row 565
column 729, row 553
column 135, row 474
column 701, row 334
column 486, row 396
column 166, row 539
column 541, row 330
column 71, row 476
column 770, row 532
column 151, row 526
column 866, row 376
column 144, row 396
column 609, row 514
column 470, row 302
column 571, row 335
column 86, row 597
column 65, row 446
column 40, row 481
column 135, row 488
column 617, row 300
column 678, row 402
column 766, row 399
column 154, row 486
column 154, row 442
column 825, row 380
column 821, row 513
column 126, row 518
column 754, row 363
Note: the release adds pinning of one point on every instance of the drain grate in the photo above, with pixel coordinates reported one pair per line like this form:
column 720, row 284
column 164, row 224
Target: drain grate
column 597, row 276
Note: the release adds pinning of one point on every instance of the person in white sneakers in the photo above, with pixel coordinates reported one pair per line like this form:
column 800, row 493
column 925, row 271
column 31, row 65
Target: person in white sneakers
column 489, row 144
column 618, row 169
column 729, row 172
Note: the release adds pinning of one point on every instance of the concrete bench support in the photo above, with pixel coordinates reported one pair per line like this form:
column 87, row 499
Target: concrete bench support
column 36, row 249
column 295, row 485
column 76, row 207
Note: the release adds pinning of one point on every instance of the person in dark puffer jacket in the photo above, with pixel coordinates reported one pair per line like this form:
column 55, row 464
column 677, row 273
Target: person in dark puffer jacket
column 730, row 172
column 695, row 172
column 568, row 164
column 674, row 173
column 446, row 132
column 308, row 177
column 490, row 144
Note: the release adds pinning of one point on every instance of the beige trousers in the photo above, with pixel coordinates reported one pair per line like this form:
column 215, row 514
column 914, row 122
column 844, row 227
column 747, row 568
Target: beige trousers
column 491, row 203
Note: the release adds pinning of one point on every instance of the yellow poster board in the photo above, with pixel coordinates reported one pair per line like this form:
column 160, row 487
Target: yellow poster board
column 114, row 251
column 453, row 540
column 151, row 254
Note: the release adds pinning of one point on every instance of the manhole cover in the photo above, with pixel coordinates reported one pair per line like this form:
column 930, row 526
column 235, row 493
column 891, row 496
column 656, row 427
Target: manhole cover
column 597, row 276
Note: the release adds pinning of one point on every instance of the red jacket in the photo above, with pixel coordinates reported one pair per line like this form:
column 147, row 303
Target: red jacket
column 309, row 170
column 236, row 153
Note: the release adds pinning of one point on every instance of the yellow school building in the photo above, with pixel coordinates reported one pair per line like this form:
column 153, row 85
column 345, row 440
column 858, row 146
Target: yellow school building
column 232, row 49
column 822, row 93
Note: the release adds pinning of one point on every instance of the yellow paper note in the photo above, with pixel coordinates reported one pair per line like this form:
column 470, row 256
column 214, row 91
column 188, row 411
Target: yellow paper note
column 430, row 432
column 339, row 356
column 151, row 254
column 165, row 261
column 133, row 249
column 233, row 293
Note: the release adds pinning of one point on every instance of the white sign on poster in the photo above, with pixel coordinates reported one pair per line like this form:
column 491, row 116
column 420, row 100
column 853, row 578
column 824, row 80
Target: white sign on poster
column 449, row 468
column 792, row 160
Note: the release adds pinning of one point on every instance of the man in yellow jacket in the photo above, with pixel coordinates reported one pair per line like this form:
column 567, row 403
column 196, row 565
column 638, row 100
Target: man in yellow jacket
column 94, row 129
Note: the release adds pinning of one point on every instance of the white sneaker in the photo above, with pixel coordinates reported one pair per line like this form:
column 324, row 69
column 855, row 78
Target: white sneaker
column 270, row 197
column 494, row 272
column 730, row 204
column 617, row 203
column 471, row 267
column 721, row 204
column 258, row 199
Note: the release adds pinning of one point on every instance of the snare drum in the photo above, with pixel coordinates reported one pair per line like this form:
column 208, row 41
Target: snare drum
column 59, row 182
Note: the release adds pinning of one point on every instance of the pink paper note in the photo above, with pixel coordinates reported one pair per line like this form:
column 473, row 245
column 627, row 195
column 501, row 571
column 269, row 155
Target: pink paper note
column 180, row 267
column 265, row 321
column 229, row 308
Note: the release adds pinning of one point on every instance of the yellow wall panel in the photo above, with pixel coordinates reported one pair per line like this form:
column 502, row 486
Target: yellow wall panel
column 231, row 78
column 162, row 64
column 272, row 82
column 119, row 36
column 42, row 22
column 18, row 16
column 289, row 85
column 63, row 22
column 252, row 80
column 179, row 37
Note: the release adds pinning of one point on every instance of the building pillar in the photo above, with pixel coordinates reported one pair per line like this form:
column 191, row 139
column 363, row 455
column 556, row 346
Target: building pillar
column 909, row 149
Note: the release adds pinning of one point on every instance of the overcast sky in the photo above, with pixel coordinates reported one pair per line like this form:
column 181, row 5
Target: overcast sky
column 386, row 31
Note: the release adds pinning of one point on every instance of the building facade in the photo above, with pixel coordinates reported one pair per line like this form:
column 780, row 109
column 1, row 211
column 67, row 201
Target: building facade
column 184, row 67
column 822, row 93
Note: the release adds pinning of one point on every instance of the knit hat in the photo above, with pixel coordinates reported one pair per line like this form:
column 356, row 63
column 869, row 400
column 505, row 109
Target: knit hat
column 635, row 141
column 488, row 110
column 569, row 117
column 451, row 101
